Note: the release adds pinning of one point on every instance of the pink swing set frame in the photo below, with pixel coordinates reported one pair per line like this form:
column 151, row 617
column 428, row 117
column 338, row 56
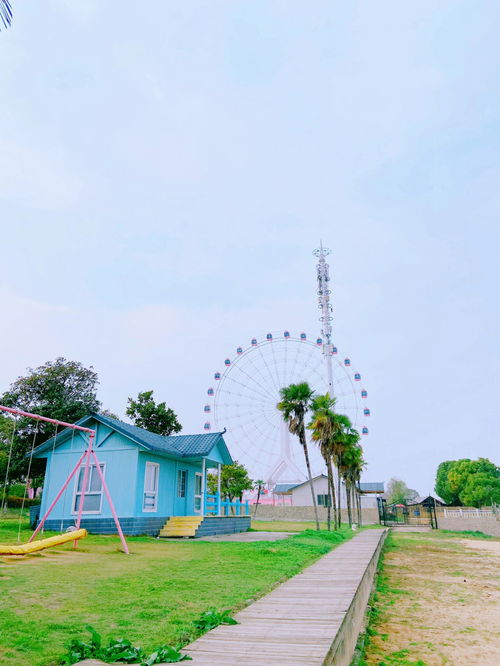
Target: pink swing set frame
column 87, row 456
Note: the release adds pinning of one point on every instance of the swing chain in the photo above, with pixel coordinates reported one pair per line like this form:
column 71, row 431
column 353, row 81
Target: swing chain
column 27, row 481
column 3, row 506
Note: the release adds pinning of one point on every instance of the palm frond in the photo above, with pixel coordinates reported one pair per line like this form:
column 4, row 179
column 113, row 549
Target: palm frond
column 5, row 13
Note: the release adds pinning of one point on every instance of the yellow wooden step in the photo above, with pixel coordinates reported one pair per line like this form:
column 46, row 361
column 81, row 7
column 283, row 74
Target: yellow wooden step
column 177, row 533
column 181, row 526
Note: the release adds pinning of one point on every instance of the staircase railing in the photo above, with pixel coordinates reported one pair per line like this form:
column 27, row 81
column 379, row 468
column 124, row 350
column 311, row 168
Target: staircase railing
column 216, row 506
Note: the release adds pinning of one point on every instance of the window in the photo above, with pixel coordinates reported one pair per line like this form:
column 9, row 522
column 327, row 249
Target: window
column 151, row 474
column 324, row 500
column 93, row 491
column 197, row 492
column 181, row 483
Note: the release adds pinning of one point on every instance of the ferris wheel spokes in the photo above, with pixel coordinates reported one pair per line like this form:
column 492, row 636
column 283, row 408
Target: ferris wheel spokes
column 246, row 396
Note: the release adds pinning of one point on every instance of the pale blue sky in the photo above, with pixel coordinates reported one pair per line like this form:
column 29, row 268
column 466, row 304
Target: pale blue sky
column 166, row 171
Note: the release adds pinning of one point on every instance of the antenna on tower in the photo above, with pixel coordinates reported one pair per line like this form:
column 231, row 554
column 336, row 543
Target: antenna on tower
column 326, row 318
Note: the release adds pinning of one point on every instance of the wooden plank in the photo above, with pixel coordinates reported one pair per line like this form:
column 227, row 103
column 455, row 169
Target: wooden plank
column 297, row 622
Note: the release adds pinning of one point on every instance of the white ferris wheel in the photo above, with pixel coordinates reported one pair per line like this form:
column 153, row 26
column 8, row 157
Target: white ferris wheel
column 244, row 395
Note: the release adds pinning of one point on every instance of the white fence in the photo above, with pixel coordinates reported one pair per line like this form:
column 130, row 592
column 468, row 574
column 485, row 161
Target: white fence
column 468, row 513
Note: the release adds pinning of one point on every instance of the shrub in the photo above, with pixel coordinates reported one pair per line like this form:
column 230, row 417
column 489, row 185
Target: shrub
column 14, row 502
column 212, row 618
column 17, row 489
column 119, row 650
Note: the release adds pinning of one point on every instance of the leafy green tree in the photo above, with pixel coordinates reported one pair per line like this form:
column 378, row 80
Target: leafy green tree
column 458, row 473
column 154, row 417
column 234, row 481
column 399, row 493
column 442, row 486
column 61, row 389
column 296, row 401
column 481, row 489
column 456, row 481
column 107, row 412
column 6, row 432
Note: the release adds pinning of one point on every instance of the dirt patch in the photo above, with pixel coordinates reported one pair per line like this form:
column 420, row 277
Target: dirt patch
column 488, row 546
column 437, row 603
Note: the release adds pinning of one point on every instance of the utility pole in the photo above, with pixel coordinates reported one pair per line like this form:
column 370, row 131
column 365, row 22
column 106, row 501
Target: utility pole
column 326, row 318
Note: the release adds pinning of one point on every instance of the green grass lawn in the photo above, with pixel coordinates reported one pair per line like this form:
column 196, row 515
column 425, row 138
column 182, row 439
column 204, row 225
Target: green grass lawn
column 150, row 597
column 294, row 525
column 285, row 525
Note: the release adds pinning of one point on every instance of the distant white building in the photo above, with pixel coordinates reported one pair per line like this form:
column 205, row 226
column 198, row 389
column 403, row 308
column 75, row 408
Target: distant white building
column 299, row 494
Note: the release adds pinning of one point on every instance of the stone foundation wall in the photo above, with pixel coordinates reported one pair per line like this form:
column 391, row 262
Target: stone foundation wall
column 131, row 526
column 213, row 525
column 269, row 512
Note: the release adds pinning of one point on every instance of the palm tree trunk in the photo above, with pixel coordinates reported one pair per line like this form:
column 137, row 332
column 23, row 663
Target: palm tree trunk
column 257, row 502
column 329, row 501
column 339, row 494
column 331, row 486
column 348, row 498
column 329, row 509
column 360, row 515
column 308, row 465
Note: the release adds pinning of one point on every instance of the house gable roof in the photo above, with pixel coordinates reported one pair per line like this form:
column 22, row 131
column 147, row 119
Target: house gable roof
column 175, row 446
column 287, row 487
column 283, row 487
column 372, row 487
column 426, row 500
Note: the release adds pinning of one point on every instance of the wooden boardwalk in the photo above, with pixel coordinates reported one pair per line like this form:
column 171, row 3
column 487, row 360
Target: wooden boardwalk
column 298, row 621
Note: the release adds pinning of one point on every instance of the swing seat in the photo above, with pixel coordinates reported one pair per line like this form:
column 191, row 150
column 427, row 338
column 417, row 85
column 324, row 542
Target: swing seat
column 41, row 544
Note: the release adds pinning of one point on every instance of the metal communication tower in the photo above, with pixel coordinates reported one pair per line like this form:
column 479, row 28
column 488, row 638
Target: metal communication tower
column 326, row 318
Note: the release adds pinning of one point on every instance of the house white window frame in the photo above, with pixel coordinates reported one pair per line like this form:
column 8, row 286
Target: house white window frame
column 85, row 512
column 178, row 489
column 325, row 500
column 151, row 492
column 200, row 494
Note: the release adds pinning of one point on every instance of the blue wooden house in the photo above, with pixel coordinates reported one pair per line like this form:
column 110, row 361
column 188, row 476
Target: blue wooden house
column 157, row 483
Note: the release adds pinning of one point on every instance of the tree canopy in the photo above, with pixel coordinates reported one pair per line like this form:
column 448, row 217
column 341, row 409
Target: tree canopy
column 157, row 418
column 234, row 481
column 442, row 486
column 61, row 389
column 468, row 482
column 296, row 401
column 399, row 493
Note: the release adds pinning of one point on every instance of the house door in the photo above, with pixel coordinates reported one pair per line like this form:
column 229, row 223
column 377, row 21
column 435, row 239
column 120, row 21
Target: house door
column 150, row 499
column 181, row 493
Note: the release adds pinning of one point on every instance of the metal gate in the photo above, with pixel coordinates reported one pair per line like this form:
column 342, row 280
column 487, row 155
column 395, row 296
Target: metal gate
column 423, row 514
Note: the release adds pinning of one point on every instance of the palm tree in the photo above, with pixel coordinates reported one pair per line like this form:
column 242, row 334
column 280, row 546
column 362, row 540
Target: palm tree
column 294, row 404
column 351, row 464
column 260, row 486
column 5, row 13
column 323, row 426
column 357, row 467
column 339, row 443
